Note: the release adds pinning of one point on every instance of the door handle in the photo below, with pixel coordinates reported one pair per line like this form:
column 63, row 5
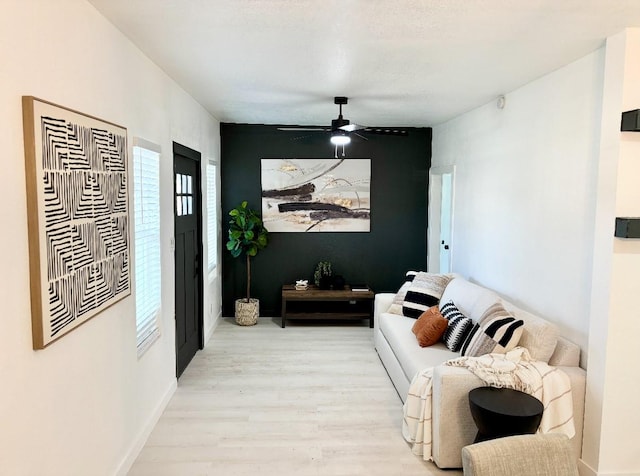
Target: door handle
column 446, row 247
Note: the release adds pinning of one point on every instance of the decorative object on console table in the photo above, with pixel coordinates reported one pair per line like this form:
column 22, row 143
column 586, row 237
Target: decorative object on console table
column 322, row 275
column 322, row 304
column 302, row 285
column 337, row 282
column 247, row 235
column 359, row 288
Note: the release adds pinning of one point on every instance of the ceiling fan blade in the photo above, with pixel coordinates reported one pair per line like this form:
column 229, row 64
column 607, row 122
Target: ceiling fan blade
column 351, row 127
column 305, row 129
column 386, row 131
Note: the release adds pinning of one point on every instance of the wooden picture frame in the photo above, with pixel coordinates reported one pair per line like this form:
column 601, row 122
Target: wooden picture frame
column 78, row 217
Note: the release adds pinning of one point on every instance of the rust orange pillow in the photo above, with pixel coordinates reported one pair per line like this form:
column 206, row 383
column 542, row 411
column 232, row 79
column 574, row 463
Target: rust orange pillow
column 421, row 321
column 429, row 327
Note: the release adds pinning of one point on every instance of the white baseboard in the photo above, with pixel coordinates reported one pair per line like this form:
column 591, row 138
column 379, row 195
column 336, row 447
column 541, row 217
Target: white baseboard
column 209, row 332
column 143, row 435
column 585, row 470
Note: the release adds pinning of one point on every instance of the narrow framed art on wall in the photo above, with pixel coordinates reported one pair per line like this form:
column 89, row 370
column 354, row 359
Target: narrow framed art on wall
column 78, row 217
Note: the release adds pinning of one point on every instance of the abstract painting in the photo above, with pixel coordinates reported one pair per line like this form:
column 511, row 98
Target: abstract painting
column 78, row 217
column 316, row 195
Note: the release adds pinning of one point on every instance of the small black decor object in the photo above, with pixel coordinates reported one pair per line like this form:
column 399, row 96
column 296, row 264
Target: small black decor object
column 325, row 282
column 322, row 275
column 338, row 282
column 627, row 227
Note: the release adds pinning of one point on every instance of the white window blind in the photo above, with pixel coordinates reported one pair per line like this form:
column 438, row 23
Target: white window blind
column 212, row 216
column 146, row 197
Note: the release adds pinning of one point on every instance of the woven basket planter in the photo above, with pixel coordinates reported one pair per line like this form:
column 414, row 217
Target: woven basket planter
column 247, row 312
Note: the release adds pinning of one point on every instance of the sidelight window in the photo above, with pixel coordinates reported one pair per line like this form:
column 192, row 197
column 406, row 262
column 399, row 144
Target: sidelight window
column 212, row 216
column 146, row 197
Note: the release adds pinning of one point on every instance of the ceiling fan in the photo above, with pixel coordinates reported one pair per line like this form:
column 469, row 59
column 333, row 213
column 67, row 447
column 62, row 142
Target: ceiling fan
column 342, row 128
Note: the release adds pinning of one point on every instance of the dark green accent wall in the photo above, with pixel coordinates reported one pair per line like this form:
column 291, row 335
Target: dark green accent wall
column 397, row 241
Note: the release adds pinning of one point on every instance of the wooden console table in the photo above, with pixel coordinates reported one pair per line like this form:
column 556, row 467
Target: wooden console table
column 316, row 303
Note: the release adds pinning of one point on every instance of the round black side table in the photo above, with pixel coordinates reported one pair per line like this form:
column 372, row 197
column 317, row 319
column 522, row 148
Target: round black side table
column 500, row 412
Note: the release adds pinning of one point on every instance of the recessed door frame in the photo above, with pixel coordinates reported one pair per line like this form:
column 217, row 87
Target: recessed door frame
column 434, row 226
column 188, row 153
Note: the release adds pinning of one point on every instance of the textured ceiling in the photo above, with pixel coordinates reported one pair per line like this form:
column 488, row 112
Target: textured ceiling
column 400, row 62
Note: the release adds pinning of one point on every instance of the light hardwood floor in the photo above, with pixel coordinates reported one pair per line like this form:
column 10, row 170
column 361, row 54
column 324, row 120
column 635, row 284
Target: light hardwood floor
column 304, row 400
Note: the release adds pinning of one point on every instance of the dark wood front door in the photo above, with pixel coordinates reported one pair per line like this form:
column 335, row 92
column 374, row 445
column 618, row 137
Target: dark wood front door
column 188, row 255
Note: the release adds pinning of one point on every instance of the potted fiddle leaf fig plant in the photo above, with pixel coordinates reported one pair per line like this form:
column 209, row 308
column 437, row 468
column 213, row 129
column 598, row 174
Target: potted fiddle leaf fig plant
column 247, row 235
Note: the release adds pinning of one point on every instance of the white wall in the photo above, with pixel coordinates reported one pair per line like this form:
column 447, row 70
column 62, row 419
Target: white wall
column 525, row 192
column 612, row 422
column 84, row 404
column 538, row 186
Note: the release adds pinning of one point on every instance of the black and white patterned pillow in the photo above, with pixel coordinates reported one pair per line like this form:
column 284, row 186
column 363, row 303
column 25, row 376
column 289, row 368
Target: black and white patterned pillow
column 424, row 292
column 398, row 299
column 497, row 331
column 458, row 329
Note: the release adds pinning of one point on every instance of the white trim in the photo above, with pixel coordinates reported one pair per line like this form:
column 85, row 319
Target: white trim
column 433, row 213
column 585, row 470
column 139, row 441
column 213, row 328
column 145, row 144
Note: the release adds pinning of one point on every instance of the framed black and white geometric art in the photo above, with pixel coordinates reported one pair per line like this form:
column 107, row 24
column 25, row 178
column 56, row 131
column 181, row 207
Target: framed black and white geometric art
column 78, row 217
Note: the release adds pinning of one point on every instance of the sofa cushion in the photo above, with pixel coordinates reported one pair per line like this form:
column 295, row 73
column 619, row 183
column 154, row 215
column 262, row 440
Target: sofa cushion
column 566, row 353
column 398, row 299
column 429, row 327
column 471, row 299
column 424, row 291
column 539, row 336
column 497, row 331
column 458, row 328
column 412, row 358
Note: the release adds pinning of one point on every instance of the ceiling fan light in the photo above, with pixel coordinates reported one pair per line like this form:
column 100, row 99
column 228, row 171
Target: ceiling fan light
column 340, row 139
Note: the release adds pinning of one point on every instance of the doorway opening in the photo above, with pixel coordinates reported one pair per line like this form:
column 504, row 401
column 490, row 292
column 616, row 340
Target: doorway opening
column 440, row 228
column 188, row 255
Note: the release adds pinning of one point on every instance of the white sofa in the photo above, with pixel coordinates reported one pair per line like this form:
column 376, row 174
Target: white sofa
column 452, row 424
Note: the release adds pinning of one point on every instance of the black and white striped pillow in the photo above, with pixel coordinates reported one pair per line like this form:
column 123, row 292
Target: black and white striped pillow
column 458, row 329
column 424, row 292
column 398, row 299
column 497, row 331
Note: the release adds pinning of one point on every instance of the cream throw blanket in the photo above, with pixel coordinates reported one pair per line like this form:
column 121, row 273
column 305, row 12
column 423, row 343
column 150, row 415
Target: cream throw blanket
column 515, row 370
